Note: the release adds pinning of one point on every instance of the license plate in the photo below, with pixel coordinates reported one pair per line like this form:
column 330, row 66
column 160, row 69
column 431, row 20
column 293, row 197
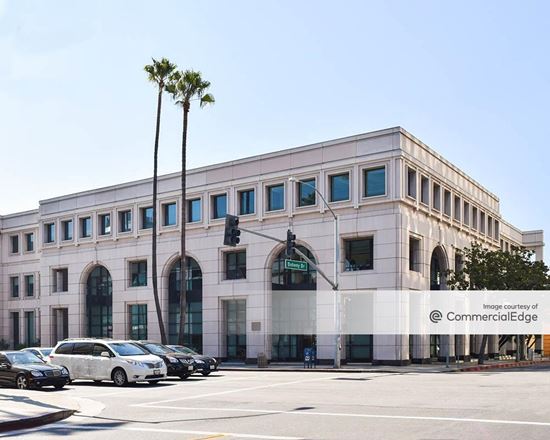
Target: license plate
column 156, row 372
column 190, row 368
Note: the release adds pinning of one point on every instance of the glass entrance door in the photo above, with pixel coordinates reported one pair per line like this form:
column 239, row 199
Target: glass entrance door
column 235, row 318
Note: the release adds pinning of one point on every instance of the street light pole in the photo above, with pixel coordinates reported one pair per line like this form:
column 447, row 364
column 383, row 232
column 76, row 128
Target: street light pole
column 338, row 338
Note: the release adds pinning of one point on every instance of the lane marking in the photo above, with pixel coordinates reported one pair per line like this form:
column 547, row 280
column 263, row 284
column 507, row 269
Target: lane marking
column 370, row 416
column 238, row 390
column 212, row 434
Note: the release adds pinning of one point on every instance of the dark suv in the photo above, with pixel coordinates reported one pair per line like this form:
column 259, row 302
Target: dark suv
column 177, row 364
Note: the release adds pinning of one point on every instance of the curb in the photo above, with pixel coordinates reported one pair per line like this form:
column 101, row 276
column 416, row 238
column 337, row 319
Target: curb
column 505, row 365
column 317, row 370
column 33, row 422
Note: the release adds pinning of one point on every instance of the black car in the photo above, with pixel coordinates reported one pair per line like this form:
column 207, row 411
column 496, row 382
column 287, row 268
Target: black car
column 177, row 364
column 205, row 364
column 25, row 370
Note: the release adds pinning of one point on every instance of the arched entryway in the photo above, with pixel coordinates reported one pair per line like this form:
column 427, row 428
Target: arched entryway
column 193, row 321
column 286, row 347
column 99, row 303
column 438, row 270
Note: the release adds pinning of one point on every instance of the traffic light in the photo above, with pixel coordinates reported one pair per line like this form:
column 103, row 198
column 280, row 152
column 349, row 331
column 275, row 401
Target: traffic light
column 290, row 243
column 232, row 232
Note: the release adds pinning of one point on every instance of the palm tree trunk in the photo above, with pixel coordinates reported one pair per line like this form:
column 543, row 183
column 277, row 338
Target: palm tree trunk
column 183, row 261
column 154, row 231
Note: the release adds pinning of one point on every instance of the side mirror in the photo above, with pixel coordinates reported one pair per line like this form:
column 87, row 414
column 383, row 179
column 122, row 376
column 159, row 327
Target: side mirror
column 105, row 354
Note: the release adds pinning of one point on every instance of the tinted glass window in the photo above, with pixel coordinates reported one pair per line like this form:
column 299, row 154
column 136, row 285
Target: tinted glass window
column 339, row 187
column 138, row 271
column 158, row 349
column 86, row 227
column 194, row 210
column 170, row 214
column 359, row 254
column 246, row 202
column 220, row 206
column 24, row 357
column 306, row 189
column 30, row 242
column 105, row 224
column 275, row 197
column 235, row 265
column 64, row 349
column 127, row 349
column 146, row 218
column 125, row 221
column 84, row 348
column 375, row 182
column 49, row 232
column 68, row 230
column 99, row 348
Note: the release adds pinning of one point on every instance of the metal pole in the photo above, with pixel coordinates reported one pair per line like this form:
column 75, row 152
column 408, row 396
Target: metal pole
column 338, row 341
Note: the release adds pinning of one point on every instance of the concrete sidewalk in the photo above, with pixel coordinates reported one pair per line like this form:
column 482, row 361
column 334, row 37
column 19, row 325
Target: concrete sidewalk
column 369, row 368
column 23, row 409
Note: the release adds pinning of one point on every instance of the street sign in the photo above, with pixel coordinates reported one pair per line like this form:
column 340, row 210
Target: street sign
column 296, row 265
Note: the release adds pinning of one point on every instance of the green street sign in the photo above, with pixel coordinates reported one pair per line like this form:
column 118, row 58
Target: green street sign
column 295, row 265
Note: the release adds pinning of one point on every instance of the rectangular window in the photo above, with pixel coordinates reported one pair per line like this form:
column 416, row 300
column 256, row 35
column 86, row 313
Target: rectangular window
column 246, row 202
column 14, row 239
column 49, row 232
column 276, row 197
column 339, row 187
column 138, row 273
column 146, row 217
column 104, row 224
column 235, row 265
column 194, row 210
column 457, row 206
column 60, row 280
column 374, row 182
column 15, row 329
column 411, row 183
column 138, row 321
column 169, row 214
column 474, row 218
column 30, row 329
column 497, row 230
column 425, row 190
column 359, row 254
column 414, row 254
column 306, row 192
column 29, row 242
column 125, row 221
column 14, row 287
column 29, row 285
column 482, row 222
column 436, row 195
column 490, row 226
column 67, row 230
column 219, row 206
column 85, row 227
column 447, row 202
column 466, row 214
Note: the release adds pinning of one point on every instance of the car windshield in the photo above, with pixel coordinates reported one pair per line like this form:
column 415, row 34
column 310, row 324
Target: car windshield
column 127, row 349
column 185, row 350
column 46, row 351
column 158, row 348
column 24, row 357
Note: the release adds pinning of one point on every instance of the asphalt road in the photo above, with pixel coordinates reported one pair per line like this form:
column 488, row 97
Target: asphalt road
column 493, row 404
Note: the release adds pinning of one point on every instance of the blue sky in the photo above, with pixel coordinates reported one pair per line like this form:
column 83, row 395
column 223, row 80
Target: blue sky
column 471, row 79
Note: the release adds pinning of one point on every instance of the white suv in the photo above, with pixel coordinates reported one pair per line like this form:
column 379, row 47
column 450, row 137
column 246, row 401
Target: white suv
column 105, row 359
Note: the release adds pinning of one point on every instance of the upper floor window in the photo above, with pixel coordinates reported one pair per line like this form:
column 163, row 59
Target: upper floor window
column 359, row 254
column 125, row 221
column 474, row 218
column 86, row 227
column 49, row 232
column 276, row 197
column 219, row 206
column 246, row 202
column 436, row 196
column 466, row 213
column 29, row 285
column 482, row 222
column 339, row 187
column 138, row 273
column 497, row 229
column 447, row 203
column 14, row 287
column 169, row 214
column 490, row 226
column 29, row 242
column 67, row 230
column 194, row 210
column 104, row 224
column 14, row 244
column 425, row 190
column 414, row 254
column 375, row 182
column 306, row 192
column 411, row 183
column 457, row 208
column 235, row 265
column 146, row 217
column 60, row 280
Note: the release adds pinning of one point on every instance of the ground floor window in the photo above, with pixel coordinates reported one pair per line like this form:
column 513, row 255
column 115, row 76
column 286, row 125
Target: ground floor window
column 138, row 321
column 290, row 348
column 15, row 329
column 359, row 348
column 30, row 329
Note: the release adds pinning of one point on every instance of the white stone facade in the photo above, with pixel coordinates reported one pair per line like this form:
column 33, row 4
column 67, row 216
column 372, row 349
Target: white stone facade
column 391, row 219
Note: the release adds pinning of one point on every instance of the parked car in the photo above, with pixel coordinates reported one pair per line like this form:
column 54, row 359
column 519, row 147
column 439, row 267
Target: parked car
column 205, row 364
column 41, row 352
column 105, row 359
column 25, row 370
column 178, row 364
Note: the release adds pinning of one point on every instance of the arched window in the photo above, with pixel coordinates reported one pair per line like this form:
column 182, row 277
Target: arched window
column 99, row 303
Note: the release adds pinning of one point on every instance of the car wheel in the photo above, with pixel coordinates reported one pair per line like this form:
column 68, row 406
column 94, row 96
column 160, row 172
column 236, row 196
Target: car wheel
column 59, row 386
column 205, row 373
column 184, row 376
column 119, row 377
column 21, row 382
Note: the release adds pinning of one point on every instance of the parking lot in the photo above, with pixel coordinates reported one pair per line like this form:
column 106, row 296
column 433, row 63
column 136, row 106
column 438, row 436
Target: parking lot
column 314, row 405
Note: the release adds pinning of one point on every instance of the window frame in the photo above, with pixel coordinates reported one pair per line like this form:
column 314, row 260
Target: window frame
column 240, row 192
column 436, row 206
column 50, row 233
column 142, row 213
column 364, row 187
column 12, row 279
column 100, row 224
column 268, row 188
column 457, row 215
column 81, row 227
column 347, row 240
column 330, row 177
column 424, row 178
column 137, row 262
column 64, row 223
column 15, row 239
column 411, row 186
column 238, row 265
column 55, row 287
column 189, row 210
column 26, row 235
column 26, row 285
column 298, row 186
column 146, row 324
column 120, row 214
column 447, row 212
column 214, row 211
column 415, row 264
column 163, row 209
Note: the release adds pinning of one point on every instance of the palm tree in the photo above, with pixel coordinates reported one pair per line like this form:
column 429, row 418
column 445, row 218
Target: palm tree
column 186, row 87
column 158, row 73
